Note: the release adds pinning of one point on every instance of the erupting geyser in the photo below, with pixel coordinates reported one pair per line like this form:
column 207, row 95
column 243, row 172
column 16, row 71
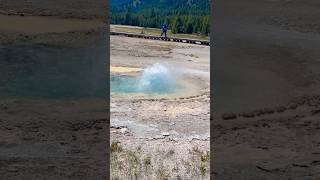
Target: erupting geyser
column 155, row 79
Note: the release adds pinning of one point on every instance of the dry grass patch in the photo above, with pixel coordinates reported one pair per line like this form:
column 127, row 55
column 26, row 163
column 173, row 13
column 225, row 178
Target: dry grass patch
column 161, row 165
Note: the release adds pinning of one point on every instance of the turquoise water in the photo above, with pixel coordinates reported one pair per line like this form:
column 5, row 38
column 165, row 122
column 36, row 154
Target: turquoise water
column 132, row 84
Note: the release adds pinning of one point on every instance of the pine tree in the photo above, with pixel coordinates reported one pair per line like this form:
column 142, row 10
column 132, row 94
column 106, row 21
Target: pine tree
column 179, row 25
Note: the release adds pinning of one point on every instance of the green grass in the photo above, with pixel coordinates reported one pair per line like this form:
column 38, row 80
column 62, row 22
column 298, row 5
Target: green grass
column 153, row 31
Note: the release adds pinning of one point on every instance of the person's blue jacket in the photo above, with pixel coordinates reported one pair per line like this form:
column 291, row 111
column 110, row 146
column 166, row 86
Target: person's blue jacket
column 164, row 27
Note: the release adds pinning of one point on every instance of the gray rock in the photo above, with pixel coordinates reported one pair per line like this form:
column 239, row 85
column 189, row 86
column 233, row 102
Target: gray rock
column 165, row 134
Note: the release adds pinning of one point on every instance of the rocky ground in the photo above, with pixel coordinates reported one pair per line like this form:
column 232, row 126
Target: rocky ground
column 52, row 109
column 265, row 123
column 172, row 130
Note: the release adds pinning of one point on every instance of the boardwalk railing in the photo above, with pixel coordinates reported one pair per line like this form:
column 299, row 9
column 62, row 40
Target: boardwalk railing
column 183, row 40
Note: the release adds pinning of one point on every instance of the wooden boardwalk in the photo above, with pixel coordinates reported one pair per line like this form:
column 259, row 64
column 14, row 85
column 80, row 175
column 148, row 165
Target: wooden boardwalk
column 183, row 40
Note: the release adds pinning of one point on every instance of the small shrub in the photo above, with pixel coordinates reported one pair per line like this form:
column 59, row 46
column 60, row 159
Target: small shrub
column 147, row 161
column 205, row 157
column 133, row 158
column 162, row 174
column 115, row 147
column 203, row 169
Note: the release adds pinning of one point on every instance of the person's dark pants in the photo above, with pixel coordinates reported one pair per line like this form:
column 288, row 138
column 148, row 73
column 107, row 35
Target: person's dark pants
column 165, row 33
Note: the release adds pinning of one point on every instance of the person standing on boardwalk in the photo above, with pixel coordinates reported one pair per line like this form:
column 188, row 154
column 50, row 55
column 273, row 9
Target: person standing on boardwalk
column 164, row 30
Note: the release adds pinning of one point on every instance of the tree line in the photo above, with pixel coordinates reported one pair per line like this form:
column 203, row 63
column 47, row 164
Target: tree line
column 182, row 16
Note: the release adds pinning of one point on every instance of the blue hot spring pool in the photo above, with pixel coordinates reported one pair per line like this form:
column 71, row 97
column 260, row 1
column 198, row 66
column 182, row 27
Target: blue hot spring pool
column 156, row 79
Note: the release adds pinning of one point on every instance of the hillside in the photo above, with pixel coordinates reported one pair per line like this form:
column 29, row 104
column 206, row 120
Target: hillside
column 182, row 16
